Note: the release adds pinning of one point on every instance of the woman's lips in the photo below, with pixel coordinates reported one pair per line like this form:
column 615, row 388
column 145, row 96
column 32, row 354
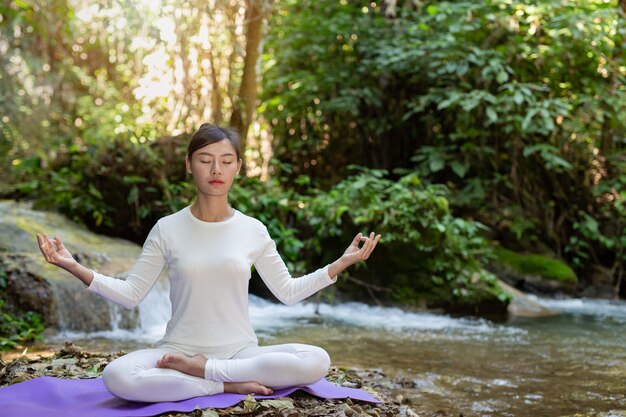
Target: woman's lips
column 216, row 182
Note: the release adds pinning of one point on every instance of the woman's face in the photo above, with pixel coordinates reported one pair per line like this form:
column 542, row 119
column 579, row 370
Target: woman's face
column 214, row 168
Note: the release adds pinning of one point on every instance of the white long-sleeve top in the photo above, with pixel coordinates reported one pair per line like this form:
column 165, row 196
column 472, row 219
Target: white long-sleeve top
column 209, row 267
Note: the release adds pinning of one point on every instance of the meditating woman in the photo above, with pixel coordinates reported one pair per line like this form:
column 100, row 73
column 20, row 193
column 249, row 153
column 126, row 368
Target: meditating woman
column 209, row 345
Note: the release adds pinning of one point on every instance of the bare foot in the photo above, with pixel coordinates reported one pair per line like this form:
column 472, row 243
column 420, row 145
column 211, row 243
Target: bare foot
column 189, row 365
column 246, row 388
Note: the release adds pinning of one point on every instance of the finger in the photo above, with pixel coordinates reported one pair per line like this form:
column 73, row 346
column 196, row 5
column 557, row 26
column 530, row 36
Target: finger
column 49, row 246
column 58, row 244
column 47, row 242
column 369, row 246
column 357, row 239
column 363, row 249
column 43, row 247
column 40, row 243
column 373, row 245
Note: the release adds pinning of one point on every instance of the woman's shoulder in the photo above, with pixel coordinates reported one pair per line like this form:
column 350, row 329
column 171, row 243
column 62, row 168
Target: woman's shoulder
column 173, row 219
column 256, row 227
column 251, row 221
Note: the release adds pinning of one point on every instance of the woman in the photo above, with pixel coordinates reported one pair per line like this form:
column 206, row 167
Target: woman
column 209, row 345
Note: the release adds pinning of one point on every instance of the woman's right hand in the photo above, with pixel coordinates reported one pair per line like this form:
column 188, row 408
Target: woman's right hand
column 55, row 253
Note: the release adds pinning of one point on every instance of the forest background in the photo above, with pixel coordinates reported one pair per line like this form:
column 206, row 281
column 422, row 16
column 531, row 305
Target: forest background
column 466, row 133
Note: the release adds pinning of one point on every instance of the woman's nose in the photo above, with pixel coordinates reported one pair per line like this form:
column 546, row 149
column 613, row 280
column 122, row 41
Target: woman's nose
column 216, row 169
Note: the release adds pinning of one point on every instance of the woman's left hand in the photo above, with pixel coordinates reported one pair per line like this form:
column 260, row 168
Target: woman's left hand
column 355, row 254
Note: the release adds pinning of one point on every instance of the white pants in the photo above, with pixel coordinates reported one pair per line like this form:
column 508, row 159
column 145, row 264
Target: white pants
column 135, row 376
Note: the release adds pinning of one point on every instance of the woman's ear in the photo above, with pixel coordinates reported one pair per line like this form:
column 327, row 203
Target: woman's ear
column 188, row 165
column 239, row 164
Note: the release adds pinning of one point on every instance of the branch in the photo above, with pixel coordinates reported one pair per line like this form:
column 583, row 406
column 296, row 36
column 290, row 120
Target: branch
column 370, row 289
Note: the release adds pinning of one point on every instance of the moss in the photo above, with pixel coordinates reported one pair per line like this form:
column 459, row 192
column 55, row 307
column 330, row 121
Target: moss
column 544, row 266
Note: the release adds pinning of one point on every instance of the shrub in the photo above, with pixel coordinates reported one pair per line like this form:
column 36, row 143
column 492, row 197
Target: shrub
column 426, row 254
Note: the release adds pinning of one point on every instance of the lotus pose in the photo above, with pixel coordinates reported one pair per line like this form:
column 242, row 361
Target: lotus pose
column 209, row 345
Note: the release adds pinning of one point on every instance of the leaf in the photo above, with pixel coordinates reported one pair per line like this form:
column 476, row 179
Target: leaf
column 279, row 404
column 492, row 115
column 502, row 77
column 133, row 179
column 95, row 192
column 528, row 119
column 555, row 160
column 209, row 413
column 64, row 361
column 436, row 164
column 459, row 168
column 249, row 403
column 133, row 195
column 341, row 210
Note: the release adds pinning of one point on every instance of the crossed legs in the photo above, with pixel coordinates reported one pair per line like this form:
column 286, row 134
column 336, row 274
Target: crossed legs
column 165, row 374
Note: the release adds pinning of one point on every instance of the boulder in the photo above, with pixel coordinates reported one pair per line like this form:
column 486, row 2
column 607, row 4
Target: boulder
column 533, row 273
column 523, row 306
column 28, row 282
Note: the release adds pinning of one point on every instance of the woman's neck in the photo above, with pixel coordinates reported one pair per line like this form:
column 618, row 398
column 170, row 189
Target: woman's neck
column 211, row 209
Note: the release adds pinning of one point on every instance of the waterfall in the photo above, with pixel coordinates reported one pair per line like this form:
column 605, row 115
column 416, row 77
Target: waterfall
column 155, row 310
column 146, row 323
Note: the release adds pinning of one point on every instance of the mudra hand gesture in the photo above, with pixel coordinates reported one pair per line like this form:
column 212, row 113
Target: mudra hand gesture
column 354, row 253
column 55, row 253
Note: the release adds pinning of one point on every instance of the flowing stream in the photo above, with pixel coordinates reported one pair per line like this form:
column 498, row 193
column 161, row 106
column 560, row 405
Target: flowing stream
column 572, row 364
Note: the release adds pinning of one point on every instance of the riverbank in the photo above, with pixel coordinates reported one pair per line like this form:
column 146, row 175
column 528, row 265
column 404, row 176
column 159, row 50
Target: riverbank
column 74, row 362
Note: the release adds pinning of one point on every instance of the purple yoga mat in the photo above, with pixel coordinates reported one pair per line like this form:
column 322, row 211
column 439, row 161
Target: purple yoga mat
column 57, row 397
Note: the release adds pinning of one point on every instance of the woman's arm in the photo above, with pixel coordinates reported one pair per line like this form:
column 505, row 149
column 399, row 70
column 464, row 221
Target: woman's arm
column 290, row 290
column 127, row 292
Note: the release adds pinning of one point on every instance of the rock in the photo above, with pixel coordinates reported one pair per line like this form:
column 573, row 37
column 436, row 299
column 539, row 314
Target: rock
column 33, row 284
column 523, row 306
column 536, row 274
column 602, row 285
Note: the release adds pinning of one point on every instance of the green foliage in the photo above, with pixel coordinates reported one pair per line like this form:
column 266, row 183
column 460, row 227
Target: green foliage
column 101, row 185
column 16, row 331
column 316, row 92
column 536, row 265
column 600, row 236
column 116, row 187
column 423, row 245
column 518, row 107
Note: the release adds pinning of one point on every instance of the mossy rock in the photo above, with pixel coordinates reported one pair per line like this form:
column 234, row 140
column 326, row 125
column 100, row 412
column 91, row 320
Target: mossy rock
column 533, row 272
column 32, row 284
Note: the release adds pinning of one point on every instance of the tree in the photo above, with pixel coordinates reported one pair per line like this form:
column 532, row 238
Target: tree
column 245, row 102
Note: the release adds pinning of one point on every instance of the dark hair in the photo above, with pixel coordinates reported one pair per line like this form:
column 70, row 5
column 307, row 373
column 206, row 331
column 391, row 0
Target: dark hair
column 208, row 134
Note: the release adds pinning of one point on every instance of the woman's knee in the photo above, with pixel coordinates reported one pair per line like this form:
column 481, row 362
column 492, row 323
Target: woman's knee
column 123, row 376
column 112, row 378
column 118, row 379
column 318, row 364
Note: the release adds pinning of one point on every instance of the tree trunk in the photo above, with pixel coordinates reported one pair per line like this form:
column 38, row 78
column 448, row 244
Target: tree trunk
column 243, row 108
column 216, row 97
